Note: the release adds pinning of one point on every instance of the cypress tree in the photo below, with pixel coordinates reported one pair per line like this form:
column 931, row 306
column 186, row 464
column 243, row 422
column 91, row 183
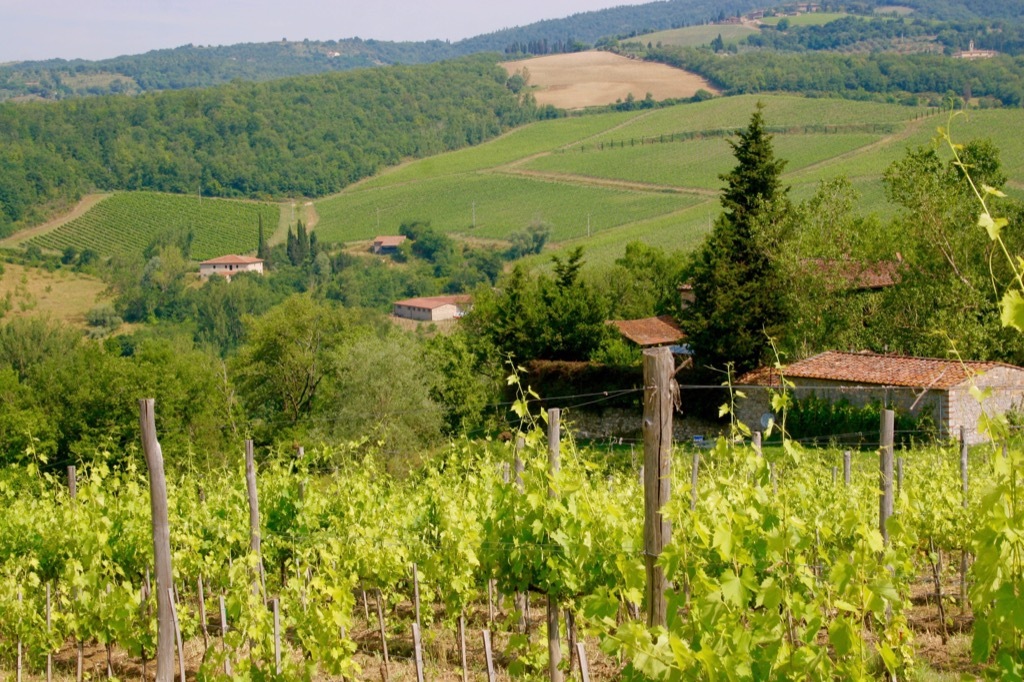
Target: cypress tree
column 262, row 250
column 738, row 283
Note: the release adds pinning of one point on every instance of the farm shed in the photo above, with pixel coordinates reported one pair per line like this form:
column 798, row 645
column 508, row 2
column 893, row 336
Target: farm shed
column 433, row 308
column 650, row 331
column 917, row 386
column 230, row 265
column 387, row 244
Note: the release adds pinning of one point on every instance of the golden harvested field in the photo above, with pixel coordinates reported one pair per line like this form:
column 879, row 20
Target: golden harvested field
column 61, row 295
column 588, row 79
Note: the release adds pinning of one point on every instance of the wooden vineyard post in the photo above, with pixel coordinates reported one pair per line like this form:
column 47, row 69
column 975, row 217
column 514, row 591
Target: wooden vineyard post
column 223, row 634
column 72, row 482
column 416, row 593
column 520, row 597
column 885, row 463
column 49, row 627
column 657, row 428
column 554, row 465
column 847, row 464
column 417, row 651
column 462, row 647
column 21, row 647
column 254, row 513
column 383, row 635
column 964, row 481
column 755, row 441
column 277, row 636
column 165, row 640
column 177, row 635
column 488, row 655
column 899, row 475
column 202, row 614
column 581, row 653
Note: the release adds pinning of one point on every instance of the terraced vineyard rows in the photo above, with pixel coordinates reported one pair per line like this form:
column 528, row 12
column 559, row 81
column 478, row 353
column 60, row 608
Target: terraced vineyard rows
column 126, row 223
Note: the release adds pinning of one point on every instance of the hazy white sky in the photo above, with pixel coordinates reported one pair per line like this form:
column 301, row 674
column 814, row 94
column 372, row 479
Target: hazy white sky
column 95, row 29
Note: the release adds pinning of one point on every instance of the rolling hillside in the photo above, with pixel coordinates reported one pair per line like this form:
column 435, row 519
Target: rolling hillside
column 599, row 180
column 648, row 175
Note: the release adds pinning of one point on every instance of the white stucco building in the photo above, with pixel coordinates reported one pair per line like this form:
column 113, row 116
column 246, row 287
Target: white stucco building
column 227, row 266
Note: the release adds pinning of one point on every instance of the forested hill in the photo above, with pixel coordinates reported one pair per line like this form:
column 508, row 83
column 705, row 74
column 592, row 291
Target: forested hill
column 589, row 27
column 301, row 136
column 195, row 66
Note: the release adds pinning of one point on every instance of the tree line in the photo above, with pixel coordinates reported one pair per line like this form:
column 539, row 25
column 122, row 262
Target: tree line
column 306, row 136
column 880, row 75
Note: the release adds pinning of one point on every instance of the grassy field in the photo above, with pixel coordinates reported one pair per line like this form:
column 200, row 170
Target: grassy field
column 503, row 204
column 694, row 163
column 695, row 36
column 126, row 223
column 664, row 191
column 810, row 19
column 61, row 295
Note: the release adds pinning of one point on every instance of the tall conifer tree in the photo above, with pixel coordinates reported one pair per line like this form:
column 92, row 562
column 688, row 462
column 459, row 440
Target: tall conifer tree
column 738, row 284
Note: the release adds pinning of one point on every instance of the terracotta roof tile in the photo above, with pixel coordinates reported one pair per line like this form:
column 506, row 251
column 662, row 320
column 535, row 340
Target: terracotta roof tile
column 888, row 370
column 396, row 240
column 650, row 331
column 431, row 302
column 232, row 259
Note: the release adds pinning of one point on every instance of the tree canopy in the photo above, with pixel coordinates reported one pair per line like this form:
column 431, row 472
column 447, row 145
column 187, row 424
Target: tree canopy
column 738, row 285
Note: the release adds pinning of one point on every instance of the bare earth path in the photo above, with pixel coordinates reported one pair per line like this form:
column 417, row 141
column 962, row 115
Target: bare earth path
column 87, row 202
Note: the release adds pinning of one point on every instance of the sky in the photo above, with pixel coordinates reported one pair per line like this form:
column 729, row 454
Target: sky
column 98, row 29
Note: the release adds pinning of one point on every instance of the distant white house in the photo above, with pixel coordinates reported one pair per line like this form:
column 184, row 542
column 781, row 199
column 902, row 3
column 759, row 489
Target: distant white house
column 433, row 308
column 228, row 266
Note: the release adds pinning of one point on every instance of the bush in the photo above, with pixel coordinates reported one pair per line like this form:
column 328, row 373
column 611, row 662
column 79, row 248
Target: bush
column 819, row 420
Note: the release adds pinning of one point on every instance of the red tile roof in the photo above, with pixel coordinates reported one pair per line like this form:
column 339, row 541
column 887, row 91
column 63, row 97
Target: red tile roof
column 431, row 302
column 650, row 331
column 874, row 369
column 232, row 260
column 396, row 240
column 858, row 276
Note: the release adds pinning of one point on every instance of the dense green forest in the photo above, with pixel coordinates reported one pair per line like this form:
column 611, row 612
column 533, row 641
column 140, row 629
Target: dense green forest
column 865, row 34
column 1000, row 80
column 303, row 136
column 949, row 24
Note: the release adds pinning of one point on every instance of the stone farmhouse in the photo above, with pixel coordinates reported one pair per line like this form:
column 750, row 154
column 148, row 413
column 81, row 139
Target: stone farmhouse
column 387, row 244
column 228, row 266
column 914, row 385
column 433, row 308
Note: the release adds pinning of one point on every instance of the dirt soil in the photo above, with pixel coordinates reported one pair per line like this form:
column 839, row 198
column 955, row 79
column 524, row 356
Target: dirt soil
column 586, row 79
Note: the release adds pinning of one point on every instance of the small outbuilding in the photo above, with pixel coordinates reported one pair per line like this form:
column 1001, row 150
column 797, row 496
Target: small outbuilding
column 938, row 387
column 228, row 266
column 387, row 244
column 650, row 332
column 433, row 308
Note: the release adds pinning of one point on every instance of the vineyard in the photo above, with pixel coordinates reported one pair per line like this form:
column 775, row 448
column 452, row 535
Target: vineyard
column 126, row 223
column 317, row 564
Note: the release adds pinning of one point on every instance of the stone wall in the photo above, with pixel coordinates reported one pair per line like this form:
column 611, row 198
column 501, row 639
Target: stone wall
column 1005, row 389
column 628, row 424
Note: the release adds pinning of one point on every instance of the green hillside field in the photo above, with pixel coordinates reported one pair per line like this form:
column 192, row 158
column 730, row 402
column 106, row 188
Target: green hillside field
column 600, row 180
column 127, row 222
column 648, row 175
column 695, row 36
